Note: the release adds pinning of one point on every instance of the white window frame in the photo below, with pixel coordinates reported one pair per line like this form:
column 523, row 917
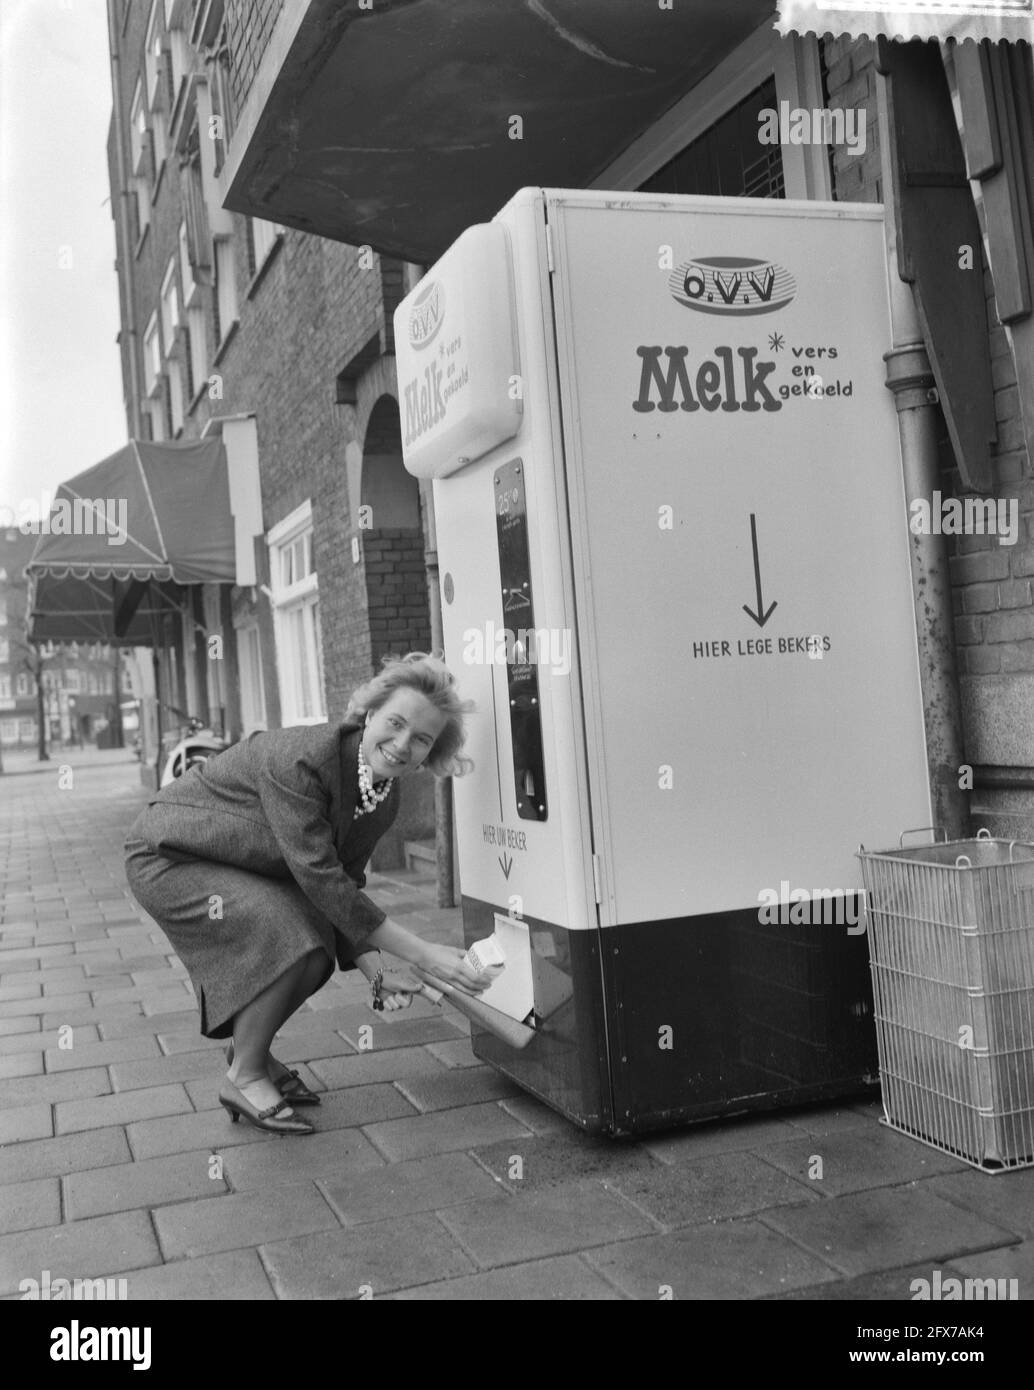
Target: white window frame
column 249, row 664
column 796, row 64
column 301, row 596
column 143, row 205
column 176, row 402
column 226, row 285
column 196, row 330
column 152, row 49
column 161, row 144
column 190, row 285
column 264, row 236
column 170, row 304
column 22, row 685
column 137, row 126
column 5, row 688
column 152, row 356
column 156, row 410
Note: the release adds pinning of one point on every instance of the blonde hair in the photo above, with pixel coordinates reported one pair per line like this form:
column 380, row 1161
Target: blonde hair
column 428, row 675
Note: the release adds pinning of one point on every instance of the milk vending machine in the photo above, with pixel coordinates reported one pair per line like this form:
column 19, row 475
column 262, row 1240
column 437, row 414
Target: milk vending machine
column 673, row 548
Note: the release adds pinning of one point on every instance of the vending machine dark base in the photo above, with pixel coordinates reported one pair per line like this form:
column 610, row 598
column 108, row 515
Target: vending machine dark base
column 651, row 1025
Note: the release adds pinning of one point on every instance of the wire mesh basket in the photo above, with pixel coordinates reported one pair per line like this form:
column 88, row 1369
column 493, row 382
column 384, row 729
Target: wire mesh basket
column 951, row 945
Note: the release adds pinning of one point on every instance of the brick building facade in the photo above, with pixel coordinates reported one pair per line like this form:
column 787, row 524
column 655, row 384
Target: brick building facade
column 223, row 317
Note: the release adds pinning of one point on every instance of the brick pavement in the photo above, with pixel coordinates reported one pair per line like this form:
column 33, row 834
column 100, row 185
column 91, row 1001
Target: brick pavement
column 116, row 1160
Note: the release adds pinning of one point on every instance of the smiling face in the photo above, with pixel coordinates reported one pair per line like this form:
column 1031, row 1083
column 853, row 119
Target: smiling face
column 399, row 736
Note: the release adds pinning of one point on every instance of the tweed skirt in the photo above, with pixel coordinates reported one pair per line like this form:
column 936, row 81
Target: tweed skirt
column 235, row 931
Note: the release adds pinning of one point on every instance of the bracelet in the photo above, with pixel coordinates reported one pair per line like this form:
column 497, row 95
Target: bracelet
column 375, row 990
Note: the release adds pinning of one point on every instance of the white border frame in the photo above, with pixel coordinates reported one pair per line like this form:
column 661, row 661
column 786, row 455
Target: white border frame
column 797, row 66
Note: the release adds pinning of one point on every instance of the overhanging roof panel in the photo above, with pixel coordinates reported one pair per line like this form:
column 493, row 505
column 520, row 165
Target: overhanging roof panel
column 393, row 127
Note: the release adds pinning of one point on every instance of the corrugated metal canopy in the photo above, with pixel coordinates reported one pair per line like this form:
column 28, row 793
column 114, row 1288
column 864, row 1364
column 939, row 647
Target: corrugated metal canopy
column 395, row 126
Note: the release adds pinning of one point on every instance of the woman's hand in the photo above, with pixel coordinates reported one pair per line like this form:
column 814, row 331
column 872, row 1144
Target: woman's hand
column 397, row 990
column 447, row 963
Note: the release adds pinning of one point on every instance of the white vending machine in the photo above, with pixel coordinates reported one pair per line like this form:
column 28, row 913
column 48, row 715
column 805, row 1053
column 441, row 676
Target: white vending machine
column 674, row 555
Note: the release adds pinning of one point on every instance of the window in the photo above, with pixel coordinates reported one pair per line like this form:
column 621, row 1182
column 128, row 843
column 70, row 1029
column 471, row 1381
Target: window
column 5, row 687
column 153, row 55
column 226, row 288
column 197, row 350
column 159, row 141
column 155, row 412
column 222, row 98
column 262, row 238
column 299, row 640
column 73, row 682
column 23, row 686
column 142, row 205
column 139, row 134
column 727, row 161
column 27, row 730
column 186, row 268
column 170, row 306
column 176, row 405
column 178, row 61
column 5, row 649
column 253, row 699
column 708, row 142
column 152, row 356
column 9, row 730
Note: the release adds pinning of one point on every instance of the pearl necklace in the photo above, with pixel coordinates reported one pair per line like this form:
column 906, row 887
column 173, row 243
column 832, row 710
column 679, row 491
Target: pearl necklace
column 370, row 798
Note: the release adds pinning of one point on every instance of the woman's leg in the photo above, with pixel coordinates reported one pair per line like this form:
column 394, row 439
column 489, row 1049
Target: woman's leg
column 254, row 1028
column 312, row 978
column 315, row 972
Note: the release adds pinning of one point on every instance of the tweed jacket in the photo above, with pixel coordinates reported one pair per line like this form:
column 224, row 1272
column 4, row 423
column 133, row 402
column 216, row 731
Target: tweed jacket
column 282, row 803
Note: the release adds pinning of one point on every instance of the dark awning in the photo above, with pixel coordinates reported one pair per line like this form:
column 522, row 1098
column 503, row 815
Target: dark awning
column 124, row 536
column 394, row 126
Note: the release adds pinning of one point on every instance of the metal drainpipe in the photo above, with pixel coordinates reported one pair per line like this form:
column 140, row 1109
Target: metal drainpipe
column 443, row 837
column 911, row 379
column 126, row 269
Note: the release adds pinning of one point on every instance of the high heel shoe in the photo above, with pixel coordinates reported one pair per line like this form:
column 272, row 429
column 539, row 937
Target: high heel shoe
column 291, row 1086
column 238, row 1107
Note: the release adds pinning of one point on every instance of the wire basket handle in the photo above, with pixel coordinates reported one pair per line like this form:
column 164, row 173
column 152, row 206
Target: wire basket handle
column 984, row 834
column 963, row 862
column 921, row 830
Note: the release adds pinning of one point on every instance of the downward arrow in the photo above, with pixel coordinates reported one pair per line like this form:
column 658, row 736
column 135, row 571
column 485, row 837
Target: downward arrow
column 762, row 616
column 507, row 866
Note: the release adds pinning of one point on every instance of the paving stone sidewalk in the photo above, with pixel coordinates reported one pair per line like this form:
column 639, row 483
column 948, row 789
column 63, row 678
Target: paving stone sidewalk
column 117, row 1161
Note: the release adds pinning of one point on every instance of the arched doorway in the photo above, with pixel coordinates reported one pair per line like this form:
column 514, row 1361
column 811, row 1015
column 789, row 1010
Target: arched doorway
column 398, row 611
column 392, row 540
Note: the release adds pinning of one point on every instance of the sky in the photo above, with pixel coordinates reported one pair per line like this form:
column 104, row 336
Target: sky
column 61, row 404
